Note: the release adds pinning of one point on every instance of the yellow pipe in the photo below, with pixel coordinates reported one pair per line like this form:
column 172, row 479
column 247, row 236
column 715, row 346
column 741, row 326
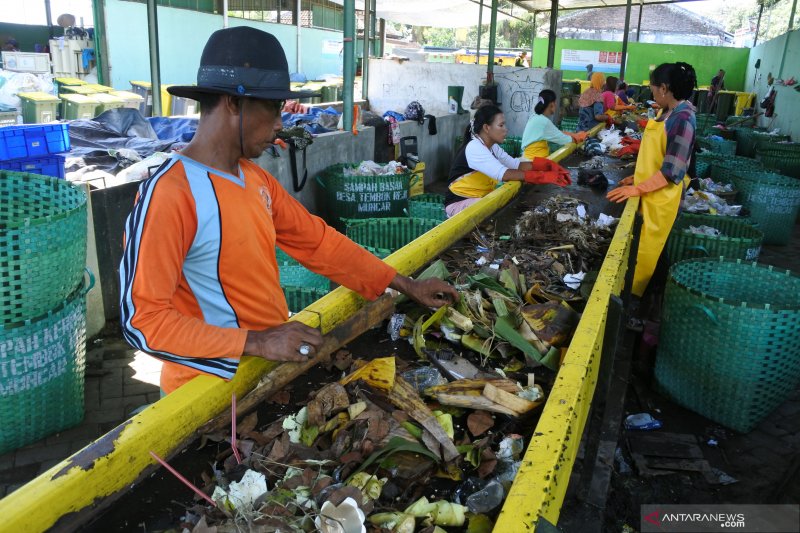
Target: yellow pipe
column 110, row 464
column 541, row 483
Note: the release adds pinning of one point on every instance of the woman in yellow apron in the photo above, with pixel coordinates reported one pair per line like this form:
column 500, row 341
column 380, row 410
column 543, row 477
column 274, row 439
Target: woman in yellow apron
column 664, row 157
column 540, row 130
column 481, row 165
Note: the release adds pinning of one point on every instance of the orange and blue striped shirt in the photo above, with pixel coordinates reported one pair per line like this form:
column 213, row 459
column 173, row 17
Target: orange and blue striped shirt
column 199, row 267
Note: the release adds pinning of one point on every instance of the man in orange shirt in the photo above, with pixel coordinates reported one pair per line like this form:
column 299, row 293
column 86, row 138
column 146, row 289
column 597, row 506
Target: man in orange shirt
column 199, row 277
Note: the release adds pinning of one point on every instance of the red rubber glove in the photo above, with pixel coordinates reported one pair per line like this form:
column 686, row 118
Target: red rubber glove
column 578, row 137
column 544, row 177
column 542, row 163
column 609, row 122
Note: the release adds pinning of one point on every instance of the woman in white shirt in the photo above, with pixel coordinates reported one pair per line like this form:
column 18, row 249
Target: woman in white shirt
column 481, row 165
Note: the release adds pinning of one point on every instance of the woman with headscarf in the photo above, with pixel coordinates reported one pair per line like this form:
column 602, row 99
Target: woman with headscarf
column 592, row 110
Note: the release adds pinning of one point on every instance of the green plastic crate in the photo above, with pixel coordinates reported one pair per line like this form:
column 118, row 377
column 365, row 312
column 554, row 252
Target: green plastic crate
column 723, row 146
column 44, row 393
column 430, row 206
column 724, row 169
column 773, row 201
column 384, row 236
column 783, row 158
column 293, row 274
column 739, row 240
column 512, row 146
column 42, row 243
column 298, row 298
column 729, row 346
column 704, row 162
column 569, row 124
column 362, row 197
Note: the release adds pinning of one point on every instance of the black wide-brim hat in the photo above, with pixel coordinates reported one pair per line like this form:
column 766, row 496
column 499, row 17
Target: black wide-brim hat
column 245, row 62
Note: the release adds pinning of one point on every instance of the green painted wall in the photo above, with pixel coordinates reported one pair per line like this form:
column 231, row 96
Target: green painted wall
column 706, row 60
column 26, row 35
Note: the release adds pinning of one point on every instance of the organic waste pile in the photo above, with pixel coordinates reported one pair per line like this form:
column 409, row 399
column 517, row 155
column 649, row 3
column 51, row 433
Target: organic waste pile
column 709, row 203
column 430, row 444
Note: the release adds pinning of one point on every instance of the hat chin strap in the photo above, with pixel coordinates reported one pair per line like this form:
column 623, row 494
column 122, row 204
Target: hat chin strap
column 241, row 126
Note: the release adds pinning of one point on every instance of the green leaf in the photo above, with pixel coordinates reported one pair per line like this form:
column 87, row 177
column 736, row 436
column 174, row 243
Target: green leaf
column 308, row 435
column 419, row 338
column 479, row 523
column 505, row 329
column 395, row 445
column 508, row 281
column 483, row 281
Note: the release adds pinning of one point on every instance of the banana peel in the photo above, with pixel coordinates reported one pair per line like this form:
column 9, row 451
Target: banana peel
column 551, row 322
column 403, row 396
column 473, row 386
column 378, row 373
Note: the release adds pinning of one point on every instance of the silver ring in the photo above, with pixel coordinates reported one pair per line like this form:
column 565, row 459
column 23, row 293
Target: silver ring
column 304, row 349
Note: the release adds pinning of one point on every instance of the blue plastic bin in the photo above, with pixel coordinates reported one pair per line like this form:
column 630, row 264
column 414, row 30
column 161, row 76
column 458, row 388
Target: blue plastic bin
column 49, row 165
column 17, row 142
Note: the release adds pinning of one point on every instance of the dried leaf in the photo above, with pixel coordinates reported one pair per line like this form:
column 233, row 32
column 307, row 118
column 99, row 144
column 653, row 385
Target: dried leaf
column 378, row 373
column 342, row 360
column 479, row 422
column 248, row 424
column 282, row 397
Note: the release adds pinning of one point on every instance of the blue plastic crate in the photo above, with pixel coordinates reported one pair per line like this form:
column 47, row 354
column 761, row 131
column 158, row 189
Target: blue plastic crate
column 17, row 142
column 49, row 165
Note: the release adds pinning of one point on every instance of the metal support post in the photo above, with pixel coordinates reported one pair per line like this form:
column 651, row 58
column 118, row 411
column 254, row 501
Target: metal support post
column 480, row 30
column 382, row 37
column 298, row 24
column 492, row 39
column 349, row 63
column 758, row 25
column 100, row 43
column 625, row 40
column 791, row 16
column 551, row 40
column 639, row 26
column 155, row 67
column 224, row 13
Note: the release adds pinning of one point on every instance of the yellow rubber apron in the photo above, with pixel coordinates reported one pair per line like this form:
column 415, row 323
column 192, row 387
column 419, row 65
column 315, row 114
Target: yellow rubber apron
column 536, row 149
column 659, row 208
column 473, row 185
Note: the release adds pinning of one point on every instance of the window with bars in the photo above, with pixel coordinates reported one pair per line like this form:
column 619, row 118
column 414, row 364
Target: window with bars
column 322, row 14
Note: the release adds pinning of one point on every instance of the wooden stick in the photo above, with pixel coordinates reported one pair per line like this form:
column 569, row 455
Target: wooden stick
column 363, row 320
column 506, row 399
column 183, row 480
column 481, row 403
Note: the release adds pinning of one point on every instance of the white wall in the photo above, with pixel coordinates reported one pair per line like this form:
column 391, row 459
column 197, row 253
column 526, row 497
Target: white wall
column 787, row 102
column 182, row 35
column 392, row 85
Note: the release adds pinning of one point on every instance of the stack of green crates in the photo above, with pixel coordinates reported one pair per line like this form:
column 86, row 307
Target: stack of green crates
column 512, row 146
column 569, row 124
column 430, row 206
column 383, row 236
column 301, row 287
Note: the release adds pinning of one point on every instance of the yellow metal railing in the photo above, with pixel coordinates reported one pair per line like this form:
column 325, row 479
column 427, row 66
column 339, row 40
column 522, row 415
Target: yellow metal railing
column 65, row 496
column 541, row 483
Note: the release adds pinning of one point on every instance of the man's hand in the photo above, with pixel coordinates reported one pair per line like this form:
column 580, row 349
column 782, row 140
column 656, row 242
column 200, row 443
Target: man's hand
column 427, row 292
column 287, row 342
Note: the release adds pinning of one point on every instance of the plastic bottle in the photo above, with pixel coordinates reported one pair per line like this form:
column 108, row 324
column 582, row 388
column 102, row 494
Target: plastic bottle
column 487, row 498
